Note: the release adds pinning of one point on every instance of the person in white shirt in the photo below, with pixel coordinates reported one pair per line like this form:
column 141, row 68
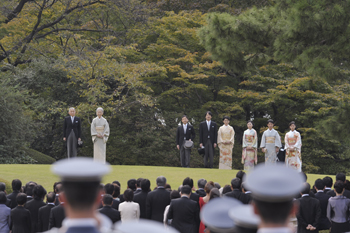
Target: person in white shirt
column 129, row 210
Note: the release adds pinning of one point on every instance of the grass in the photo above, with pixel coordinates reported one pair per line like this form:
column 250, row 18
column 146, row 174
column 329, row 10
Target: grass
column 175, row 175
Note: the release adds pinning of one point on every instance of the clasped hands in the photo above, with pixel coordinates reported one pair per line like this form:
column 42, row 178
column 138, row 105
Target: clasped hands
column 99, row 136
column 310, row 227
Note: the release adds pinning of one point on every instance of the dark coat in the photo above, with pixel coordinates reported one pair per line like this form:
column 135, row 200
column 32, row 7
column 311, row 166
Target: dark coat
column 324, row 223
column 309, row 213
column 44, row 218
column 68, row 126
column 156, row 202
column 237, row 194
column 12, row 196
column 57, row 215
column 20, row 220
column 345, row 194
column 112, row 214
column 180, row 134
column 141, row 199
column 201, row 192
column 184, row 213
column 33, row 206
column 205, row 134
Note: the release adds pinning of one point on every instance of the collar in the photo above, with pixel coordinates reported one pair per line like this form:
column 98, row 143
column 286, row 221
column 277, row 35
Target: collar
column 160, row 187
column 200, row 189
column 138, row 189
column 275, row 230
column 320, row 191
column 29, row 197
column 208, row 122
column 184, row 196
column 77, row 222
column 248, row 192
column 51, row 203
column 305, row 195
column 57, row 194
column 327, row 188
column 184, row 125
column 270, row 130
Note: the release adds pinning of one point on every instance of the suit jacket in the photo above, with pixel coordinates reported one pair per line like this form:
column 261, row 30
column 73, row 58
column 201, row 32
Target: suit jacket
column 44, row 217
column 156, row 202
column 205, row 134
column 345, row 194
column 5, row 213
column 309, row 213
column 112, row 214
column 246, row 198
column 181, row 135
column 12, row 196
column 33, row 206
column 324, row 223
column 238, row 195
column 201, row 192
column 184, row 213
column 137, row 191
column 68, row 126
column 57, row 216
column 141, row 198
column 20, row 220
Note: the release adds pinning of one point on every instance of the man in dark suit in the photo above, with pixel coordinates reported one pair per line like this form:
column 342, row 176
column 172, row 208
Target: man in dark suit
column 57, row 215
column 72, row 133
column 110, row 189
column 16, row 187
column 157, row 200
column 184, row 212
column 201, row 184
column 28, row 189
column 34, row 205
column 132, row 184
column 185, row 132
column 341, row 177
column 322, row 197
column 112, row 214
column 246, row 198
column 194, row 196
column 208, row 134
column 236, row 190
column 138, row 186
column 328, row 182
column 309, row 212
column 141, row 197
column 20, row 217
column 44, row 212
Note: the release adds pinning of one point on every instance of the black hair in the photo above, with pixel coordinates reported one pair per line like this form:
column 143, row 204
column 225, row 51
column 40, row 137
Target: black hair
column 236, row 183
column 305, row 176
column 188, row 181
column 319, row 184
column 21, row 199
column 328, row 181
column 217, row 185
column 174, row 194
column 274, row 212
column 109, row 188
column 270, row 121
column 306, row 188
column 138, row 182
column 339, row 186
column 226, row 117
column 81, row 195
column 184, row 116
column 186, row 189
column 116, row 190
column 3, row 197
column 292, row 123
column 132, row 184
column 201, row 183
column 29, row 188
column 51, row 197
column 39, row 192
column 214, row 193
column 128, row 195
column 208, row 112
column 2, row 186
column 107, row 199
column 340, row 176
column 116, row 182
column 16, row 185
column 250, row 122
column 145, row 185
column 240, row 174
column 226, row 189
column 167, row 186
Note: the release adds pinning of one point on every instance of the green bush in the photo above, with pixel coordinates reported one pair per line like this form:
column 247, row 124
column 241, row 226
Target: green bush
column 40, row 157
column 8, row 185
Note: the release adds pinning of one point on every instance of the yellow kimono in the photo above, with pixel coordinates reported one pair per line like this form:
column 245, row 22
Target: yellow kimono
column 226, row 134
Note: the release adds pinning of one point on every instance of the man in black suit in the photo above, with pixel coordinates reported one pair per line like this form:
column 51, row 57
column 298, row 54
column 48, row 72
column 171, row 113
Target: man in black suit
column 72, row 133
column 208, row 134
column 110, row 189
column 20, row 217
column 236, row 190
column 201, row 184
column 138, row 186
column 44, row 212
column 34, row 205
column 184, row 212
column 328, row 182
column 111, row 213
column 57, row 215
column 141, row 197
column 185, row 132
column 157, row 200
column 16, row 188
column 309, row 212
column 341, row 177
column 28, row 189
column 246, row 198
column 322, row 197
column 194, row 196
column 132, row 184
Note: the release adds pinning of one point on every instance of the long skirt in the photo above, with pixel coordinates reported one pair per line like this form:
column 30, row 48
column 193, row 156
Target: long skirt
column 340, row 227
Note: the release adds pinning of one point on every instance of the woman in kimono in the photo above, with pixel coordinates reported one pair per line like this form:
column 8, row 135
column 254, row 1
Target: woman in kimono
column 250, row 147
column 293, row 148
column 226, row 140
column 99, row 133
column 270, row 143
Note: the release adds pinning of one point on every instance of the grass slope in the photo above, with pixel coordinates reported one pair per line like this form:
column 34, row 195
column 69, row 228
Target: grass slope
column 175, row 175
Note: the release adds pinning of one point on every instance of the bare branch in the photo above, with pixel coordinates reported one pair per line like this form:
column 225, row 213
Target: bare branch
column 16, row 11
column 71, row 30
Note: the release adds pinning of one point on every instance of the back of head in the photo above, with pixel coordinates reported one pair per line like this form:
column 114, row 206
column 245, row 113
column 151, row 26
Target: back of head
column 39, row 192
column 138, row 182
column 116, row 182
column 236, row 183
column 217, row 185
column 161, row 181
column 128, row 195
column 226, row 189
column 109, row 188
column 240, row 174
column 319, row 184
column 209, row 186
column 21, row 198
column 188, row 181
column 339, row 186
column 51, row 197
column 16, row 185
column 341, row 177
column 274, row 212
column 167, row 187
column 201, row 183
column 214, row 193
column 81, row 195
column 3, row 198
column 132, row 184
column 107, row 199
column 328, row 181
column 306, row 188
column 29, row 188
column 186, row 189
column 174, row 194
column 2, row 187
column 145, row 185
column 116, row 192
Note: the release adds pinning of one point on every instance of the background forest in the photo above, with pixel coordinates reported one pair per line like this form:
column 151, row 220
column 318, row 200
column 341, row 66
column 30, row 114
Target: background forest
column 148, row 62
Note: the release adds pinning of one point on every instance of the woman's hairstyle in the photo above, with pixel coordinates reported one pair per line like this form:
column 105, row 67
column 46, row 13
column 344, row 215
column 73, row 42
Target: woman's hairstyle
column 214, row 193
column 209, row 186
column 339, row 186
column 226, row 117
column 99, row 108
column 128, row 195
column 292, row 123
column 250, row 122
column 270, row 121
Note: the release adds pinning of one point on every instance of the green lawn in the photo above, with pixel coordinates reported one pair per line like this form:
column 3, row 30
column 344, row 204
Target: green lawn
column 42, row 174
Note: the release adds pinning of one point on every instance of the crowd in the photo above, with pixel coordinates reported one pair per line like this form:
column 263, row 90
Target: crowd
column 29, row 208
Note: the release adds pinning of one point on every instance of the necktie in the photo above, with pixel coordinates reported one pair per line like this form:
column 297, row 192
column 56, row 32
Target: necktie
column 185, row 126
column 72, row 119
column 208, row 125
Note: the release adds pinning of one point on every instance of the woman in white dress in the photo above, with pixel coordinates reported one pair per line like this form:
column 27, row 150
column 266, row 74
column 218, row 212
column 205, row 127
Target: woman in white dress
column 100, row 134
column 226, row 140
column 293, row 148
column 250, row 147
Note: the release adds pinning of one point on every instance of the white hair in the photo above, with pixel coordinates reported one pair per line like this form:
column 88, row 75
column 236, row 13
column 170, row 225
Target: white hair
column 99, row 108
column 71, row 108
